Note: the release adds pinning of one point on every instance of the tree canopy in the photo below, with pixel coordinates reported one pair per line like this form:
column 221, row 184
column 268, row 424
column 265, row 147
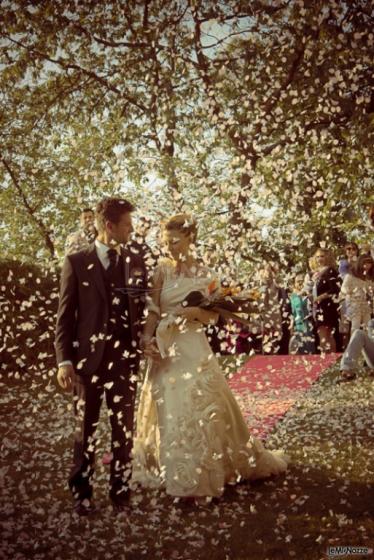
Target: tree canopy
column 256, row 117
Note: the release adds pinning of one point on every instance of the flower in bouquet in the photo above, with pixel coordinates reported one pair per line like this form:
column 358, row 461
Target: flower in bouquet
column 251, row 294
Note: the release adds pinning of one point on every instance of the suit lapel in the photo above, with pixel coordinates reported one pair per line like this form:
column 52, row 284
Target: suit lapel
column 95, row 270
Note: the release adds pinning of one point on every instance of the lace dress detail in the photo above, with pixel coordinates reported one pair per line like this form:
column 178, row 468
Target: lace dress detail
column 191, row 437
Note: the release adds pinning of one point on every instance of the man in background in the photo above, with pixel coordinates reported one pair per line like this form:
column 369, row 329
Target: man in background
column 84, row 236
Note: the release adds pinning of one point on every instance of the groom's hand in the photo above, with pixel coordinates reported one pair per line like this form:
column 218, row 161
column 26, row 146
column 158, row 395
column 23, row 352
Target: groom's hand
column 151, row 350
column 65, row 377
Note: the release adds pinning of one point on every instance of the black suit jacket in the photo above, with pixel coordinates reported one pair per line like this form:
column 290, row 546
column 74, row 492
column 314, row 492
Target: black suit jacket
column 326, row 310
column 83, row 312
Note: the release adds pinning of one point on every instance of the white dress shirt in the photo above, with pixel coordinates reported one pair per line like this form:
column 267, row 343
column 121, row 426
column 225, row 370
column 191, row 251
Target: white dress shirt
column 102, row 252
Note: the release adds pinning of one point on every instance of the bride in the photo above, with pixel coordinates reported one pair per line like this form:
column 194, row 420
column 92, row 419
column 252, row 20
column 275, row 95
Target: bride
column 191, row 437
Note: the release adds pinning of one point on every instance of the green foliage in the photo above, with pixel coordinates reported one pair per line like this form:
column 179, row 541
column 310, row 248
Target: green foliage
column 257, row 117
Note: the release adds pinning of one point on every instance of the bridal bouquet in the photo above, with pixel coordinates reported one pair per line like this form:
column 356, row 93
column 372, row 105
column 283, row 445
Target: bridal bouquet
column 228, row 302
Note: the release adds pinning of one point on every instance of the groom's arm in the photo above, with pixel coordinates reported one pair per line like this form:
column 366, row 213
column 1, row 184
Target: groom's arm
column 66, row 314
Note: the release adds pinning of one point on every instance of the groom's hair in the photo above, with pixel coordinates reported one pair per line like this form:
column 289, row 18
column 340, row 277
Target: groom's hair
column 111, row 210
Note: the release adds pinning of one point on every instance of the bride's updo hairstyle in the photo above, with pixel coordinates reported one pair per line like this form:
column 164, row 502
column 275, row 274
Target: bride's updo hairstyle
column 183, row 223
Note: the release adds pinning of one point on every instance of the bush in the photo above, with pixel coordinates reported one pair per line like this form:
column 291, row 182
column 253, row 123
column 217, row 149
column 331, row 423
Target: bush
column 28, row 306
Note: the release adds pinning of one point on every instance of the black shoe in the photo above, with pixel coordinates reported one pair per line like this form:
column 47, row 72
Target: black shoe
column 84, row 507
column 344, row 378
column 120, row 507
column 120, row 500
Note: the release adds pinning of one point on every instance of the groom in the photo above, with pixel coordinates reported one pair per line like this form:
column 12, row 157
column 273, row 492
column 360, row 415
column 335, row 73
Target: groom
column 99, row 321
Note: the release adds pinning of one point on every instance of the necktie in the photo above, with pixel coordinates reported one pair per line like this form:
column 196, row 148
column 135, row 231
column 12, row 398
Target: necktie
column 112, row 256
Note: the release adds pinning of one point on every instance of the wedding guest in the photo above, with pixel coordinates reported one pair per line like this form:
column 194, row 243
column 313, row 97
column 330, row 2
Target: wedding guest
column 368, row 247
column 222, row 335
column 275, row 312
column 243, row 339
column 217, row 336
column 302, row 328
column 326, row 288
column 371, row 216
column 250, row 339
column 308, row 290
column 357, row 290
column 84, row 236
column 360, row 342
column 308, row 279
column 286, row 318
column 371, row 227
column 269, row 308
column 351, row 252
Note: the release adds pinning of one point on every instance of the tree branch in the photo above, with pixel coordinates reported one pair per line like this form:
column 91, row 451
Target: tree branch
column 219, row 41
column 108, row 42
column 145, row 14
column 271, row 102
column 70, row 66
column 44, row 231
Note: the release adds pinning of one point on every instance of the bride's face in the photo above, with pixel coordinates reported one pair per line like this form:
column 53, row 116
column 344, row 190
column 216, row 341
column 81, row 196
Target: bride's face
column 176, row 243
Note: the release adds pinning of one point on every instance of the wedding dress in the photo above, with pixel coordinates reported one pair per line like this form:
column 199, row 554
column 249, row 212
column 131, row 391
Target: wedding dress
column 191, row 437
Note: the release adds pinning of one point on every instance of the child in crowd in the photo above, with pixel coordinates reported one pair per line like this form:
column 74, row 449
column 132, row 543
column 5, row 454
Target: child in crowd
column 357, row 290
column 302, row 339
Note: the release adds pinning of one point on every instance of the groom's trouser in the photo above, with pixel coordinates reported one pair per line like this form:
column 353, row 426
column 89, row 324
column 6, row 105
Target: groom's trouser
column 115, row 380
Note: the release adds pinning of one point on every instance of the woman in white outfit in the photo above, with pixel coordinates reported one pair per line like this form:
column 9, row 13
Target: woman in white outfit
column 357, row 290
column 191, row 436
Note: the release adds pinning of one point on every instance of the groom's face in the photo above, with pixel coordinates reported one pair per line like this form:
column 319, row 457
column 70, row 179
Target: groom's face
column 121, row 231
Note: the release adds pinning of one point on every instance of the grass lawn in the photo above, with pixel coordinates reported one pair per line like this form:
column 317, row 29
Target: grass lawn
column 326, row 498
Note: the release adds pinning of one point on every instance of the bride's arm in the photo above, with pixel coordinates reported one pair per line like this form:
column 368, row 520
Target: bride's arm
column 205, row 316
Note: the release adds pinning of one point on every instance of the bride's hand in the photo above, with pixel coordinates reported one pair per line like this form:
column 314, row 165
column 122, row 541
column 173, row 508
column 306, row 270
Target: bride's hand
column 204, row 316
column 190, row 313
column 151, row 350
